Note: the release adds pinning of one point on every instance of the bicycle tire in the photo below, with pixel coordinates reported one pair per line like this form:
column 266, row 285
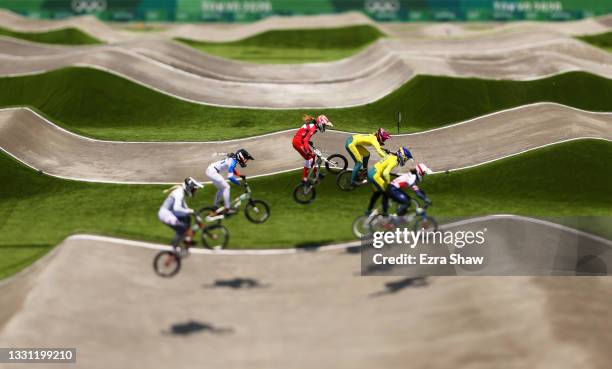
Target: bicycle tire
column 344, row 180
column 304, row 198
column 166, row 272
column 381, row 223
column 431, row 226
column 215, row 237
column 341, row 163
column 257, row 204
column 360, row 228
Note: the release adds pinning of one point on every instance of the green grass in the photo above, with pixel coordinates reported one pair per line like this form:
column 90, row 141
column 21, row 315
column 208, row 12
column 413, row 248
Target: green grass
column 603, row 40
column 293, row 46
column 64, row 36
column 127, row 111
column 570, row 179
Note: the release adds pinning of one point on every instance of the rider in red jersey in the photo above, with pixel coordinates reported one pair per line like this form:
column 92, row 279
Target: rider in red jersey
column 301, row 140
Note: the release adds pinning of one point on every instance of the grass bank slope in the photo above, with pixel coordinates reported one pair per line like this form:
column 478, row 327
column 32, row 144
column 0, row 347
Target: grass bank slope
column 294, row 46
column 101, row 105
column 37, row 211
column 64, row 36
column 603, row 40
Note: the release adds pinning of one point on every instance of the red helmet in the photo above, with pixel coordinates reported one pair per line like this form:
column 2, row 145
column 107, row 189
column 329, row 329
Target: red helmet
column 323, row 122
column 382, row 136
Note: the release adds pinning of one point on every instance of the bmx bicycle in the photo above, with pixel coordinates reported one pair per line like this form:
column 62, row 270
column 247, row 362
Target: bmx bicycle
column 305, row 193
column 256, row 211
column 167, row 263
column 365, row 225
column 419, row 219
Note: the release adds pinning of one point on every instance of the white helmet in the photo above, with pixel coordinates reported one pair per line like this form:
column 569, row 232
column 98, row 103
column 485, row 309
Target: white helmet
column 191, row 185
column 422, row 170
column 322, row 122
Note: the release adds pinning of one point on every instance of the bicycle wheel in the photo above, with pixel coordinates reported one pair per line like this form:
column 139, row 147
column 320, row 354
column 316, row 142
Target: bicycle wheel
column 257, row 211
column 345, row 180
column 427, row 224
column 166, row 263
column 381, row 223
column 336, row 163
column 203, row 213
column 215, row 237
column 304, row 194
column 361, row 226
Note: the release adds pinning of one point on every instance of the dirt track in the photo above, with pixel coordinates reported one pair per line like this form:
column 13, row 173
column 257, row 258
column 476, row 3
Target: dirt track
column 309, row 310
column 47, row 147
column 363, row 78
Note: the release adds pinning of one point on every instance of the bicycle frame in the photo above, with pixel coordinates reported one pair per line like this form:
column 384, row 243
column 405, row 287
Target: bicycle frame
column 318, row 162
column 408, row 218
column 236, row 203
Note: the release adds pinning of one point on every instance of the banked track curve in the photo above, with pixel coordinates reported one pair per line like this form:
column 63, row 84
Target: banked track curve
column 298, row 298
column 42, row 145
column 184, row 73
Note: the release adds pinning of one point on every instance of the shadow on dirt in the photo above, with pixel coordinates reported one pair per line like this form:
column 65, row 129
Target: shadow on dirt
column 374, row 269
column 192, row 327
column 591, row 265
column 312, row 246
column 353, row 249
column 396, row 286
column 236, row 283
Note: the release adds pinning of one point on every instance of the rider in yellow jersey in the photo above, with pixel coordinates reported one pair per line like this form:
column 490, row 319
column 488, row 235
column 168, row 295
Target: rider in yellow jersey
column 380, row 176
column 356, row 146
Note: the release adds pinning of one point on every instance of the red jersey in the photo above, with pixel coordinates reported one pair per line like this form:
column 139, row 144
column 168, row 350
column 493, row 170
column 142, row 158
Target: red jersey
column 304, row 134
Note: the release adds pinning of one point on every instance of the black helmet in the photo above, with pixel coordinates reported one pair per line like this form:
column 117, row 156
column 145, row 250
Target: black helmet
column 242, row 156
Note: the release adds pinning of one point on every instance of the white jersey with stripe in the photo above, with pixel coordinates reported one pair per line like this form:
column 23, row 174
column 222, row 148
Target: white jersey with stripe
column 406, row 180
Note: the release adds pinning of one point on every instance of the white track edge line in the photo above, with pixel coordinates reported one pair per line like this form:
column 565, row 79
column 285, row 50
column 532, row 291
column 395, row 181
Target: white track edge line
column 338, row 246
column 295, row 169
column 488, row 115
column 251, row 107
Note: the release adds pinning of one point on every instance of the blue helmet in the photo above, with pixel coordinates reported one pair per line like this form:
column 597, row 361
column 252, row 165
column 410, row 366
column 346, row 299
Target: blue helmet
column 403, row 155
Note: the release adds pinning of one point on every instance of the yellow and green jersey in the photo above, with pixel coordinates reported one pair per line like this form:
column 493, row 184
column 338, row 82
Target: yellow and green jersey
column 361, row 141
column 384, row 169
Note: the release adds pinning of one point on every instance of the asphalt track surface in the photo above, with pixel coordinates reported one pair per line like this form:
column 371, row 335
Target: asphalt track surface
column 220, row 32
column 182, row 72
column 273, row 311
column 44, row 146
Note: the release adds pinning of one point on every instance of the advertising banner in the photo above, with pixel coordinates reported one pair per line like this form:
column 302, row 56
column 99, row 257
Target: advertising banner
column 251, row 10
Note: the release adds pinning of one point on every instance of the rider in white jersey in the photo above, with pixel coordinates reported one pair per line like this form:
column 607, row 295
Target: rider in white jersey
column 227, row 165
column 175, row 213
column 409, row 180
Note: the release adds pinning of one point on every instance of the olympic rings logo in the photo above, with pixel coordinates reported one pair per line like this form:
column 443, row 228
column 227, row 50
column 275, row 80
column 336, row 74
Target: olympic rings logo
column 382, row 6
column 88, row 6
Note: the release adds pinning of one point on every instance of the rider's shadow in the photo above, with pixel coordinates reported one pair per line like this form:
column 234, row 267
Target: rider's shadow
column 396, row 286
column 192, row 327
column 237, row 283
column 311, row 246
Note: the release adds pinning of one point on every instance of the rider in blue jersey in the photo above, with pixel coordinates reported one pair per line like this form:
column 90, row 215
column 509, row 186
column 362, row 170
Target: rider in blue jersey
column 228, row 165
